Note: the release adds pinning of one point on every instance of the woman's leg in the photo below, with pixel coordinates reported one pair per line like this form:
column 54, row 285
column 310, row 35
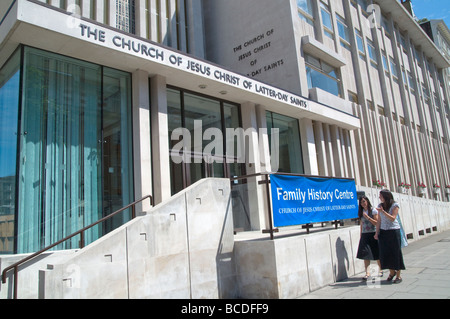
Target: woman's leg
column 380, row 271
column 366, row 265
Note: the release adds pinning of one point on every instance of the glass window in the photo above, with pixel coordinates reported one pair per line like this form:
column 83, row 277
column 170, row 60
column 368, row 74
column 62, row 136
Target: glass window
column 117, row 167
column 75, row 149
column 364, row 5
column 404, row 77
column 306, row 6
column 200, row 113
column 403, row 42
column 326, row 20
column 343, row 32
column 231, row 120
column 175, row 120
column 372, row 53
column 385, row 24
column 322, row 75
column 359, row 42
column 125, row 15
column 9, row 108
column 305, row 11
column 353, row 97
column 412, row 84
column 290, row 152
column 393, row 68
column 385, row 62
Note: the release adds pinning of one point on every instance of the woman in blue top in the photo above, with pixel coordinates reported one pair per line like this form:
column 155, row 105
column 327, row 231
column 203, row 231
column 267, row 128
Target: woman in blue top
column 389, row 237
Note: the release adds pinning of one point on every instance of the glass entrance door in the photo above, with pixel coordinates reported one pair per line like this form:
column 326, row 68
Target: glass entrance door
column 194, row 115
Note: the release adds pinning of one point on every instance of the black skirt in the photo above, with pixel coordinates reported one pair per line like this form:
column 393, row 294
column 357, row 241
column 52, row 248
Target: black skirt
column 391, row 256
column 368, row 247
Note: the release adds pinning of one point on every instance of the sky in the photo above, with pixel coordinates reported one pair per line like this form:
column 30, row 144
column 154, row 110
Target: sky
column 432, row 9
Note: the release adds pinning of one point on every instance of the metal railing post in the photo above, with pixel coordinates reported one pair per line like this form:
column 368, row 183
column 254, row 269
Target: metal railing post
column 271, row 230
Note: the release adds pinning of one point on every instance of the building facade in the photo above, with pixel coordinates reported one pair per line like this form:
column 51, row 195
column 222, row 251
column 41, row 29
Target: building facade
column 439, row 32
column 105, row 102
column 368, row 58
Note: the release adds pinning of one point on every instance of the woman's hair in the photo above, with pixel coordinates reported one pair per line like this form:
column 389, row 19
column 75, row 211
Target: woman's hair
column 361, row 209
column 388, row 199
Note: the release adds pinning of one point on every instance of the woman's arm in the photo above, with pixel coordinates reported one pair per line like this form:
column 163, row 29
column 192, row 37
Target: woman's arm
column 389, row 216
column 373, row 220
column 378, row 225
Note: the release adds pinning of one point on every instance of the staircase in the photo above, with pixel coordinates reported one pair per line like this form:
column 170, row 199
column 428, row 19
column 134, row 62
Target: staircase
column 181, row 248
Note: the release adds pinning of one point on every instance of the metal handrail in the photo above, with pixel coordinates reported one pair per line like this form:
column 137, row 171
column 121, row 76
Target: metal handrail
column 80, row 232
column 282, row 173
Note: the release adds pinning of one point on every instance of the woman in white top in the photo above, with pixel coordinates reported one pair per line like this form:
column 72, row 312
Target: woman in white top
column 389, row 237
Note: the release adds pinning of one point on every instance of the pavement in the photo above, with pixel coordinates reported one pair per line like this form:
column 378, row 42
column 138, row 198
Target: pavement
column 427, row 275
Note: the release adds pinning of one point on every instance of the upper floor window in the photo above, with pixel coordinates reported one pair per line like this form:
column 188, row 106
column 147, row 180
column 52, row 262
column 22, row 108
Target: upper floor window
column 326, row 20
column 305, row 11
column 385, row 63
column 385, row 24
column 343, row 32
column 125, row 17
column 360, row 43
column 372, row 53
column 322, row 75
column 363, row 3
column 412, row 83
column 393, row 68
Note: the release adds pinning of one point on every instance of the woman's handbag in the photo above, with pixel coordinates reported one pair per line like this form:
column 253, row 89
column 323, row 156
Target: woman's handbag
column 404, row 240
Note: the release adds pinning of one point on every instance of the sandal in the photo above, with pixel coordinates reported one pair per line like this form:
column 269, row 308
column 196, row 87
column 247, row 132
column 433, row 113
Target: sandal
column 391, row 276
column 365, row 277
column 398, row 280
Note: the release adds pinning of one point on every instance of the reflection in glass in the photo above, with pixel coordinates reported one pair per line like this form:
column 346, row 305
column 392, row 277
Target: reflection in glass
column 290, row 154
column 203, row 154
column 75, row 149
column 9, row 107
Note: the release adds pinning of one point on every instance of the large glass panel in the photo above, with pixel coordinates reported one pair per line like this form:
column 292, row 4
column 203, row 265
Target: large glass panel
column 204, row 121
column 60, row 155
column 306, row 6
column 326, row 20
column 200, row 114
column 322, row 81
column 290, row 153
column 359, row 41
column 75, row 149
column 117, row 146
column 322, row 75
column 175, row 122
column 9, row 106
column 231, row 119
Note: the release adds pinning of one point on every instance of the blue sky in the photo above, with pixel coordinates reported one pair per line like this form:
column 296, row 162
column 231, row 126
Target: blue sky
column 432, row 9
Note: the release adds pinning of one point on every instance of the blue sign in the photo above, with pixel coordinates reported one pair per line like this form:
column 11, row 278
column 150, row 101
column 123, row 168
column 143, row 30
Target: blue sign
column 298, row 200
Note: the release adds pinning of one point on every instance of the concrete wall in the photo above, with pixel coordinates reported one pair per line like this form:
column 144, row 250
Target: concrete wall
column 293, row 266
column 256, row 40
column 180, row 249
